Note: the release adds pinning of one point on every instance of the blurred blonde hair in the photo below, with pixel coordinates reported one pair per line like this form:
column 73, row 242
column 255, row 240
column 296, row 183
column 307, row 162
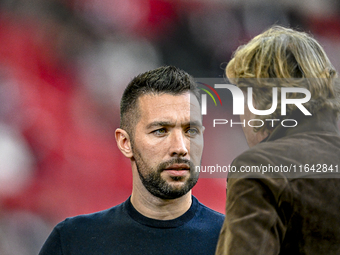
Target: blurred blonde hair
column 283, row 57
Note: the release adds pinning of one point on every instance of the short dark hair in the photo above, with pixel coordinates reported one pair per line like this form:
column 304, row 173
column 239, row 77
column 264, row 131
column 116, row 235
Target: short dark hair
column 165, row 79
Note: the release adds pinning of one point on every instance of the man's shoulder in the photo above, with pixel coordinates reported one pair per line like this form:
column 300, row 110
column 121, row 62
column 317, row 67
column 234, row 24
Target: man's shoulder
column 206, row 210
column 258, row 154
column 289, row 157
column 97, row 219
column 208, row 214
column 292, row 146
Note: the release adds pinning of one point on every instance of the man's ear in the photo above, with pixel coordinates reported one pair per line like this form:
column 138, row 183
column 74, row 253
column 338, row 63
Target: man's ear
column 123, row 142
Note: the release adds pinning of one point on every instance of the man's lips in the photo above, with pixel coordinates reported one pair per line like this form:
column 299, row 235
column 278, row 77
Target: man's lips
column 177, row 169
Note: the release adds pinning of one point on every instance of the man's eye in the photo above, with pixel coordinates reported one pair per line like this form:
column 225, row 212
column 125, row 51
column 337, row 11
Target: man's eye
column 160, row 131
column 192, row 131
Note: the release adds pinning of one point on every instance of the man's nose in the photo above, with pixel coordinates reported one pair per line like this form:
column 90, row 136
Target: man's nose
column 179, row 144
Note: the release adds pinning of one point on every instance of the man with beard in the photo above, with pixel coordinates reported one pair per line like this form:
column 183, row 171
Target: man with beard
column 162, row 134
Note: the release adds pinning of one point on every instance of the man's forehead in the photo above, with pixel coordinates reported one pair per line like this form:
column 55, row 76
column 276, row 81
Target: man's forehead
column 167, row 104
column 155, row 100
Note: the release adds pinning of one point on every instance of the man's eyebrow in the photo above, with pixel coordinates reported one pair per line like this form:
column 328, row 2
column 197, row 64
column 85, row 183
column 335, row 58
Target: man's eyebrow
column 171, row 124
column 160, row 124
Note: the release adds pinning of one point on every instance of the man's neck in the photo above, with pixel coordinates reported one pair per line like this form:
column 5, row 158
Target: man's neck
column 157, row 208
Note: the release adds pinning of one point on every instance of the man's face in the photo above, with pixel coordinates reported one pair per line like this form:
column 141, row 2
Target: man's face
column 168, row 143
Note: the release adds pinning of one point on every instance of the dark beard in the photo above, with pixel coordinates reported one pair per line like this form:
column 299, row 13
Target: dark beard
column 157, row 186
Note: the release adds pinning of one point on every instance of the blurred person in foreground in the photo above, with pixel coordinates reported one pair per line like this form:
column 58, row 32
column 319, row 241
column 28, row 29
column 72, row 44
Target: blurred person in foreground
column 282, row 212
column 161, row 133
